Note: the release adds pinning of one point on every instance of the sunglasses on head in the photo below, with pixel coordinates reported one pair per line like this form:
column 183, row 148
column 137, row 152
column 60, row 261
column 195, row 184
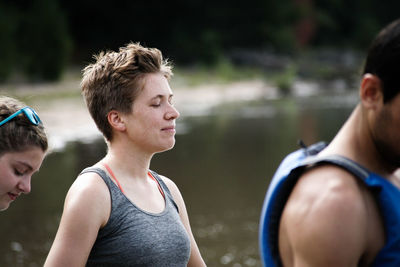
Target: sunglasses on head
column 29, row 113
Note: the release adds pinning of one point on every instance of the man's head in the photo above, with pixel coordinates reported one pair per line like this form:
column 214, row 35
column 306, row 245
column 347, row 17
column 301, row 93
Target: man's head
column 383, row 60
column 116, row 78
column 379, row 94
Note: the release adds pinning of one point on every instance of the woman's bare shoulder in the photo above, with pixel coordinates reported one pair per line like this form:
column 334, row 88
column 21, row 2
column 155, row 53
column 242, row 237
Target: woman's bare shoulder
column 89, row 196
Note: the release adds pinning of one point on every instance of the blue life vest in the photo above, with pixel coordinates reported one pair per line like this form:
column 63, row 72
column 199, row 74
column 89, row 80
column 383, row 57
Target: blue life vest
column 285, row 178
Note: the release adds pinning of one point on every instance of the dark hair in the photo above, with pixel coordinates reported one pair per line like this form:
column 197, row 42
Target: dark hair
column 115, row 79
column 19, row 133
column 384, row 58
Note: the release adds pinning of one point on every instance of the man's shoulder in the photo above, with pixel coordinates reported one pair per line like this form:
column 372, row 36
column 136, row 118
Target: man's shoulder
column 330, row 182
column 327, row 192
column 331, row 207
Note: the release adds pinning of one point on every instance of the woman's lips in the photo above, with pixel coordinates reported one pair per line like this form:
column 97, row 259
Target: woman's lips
column 169, row 129
column 13, row 196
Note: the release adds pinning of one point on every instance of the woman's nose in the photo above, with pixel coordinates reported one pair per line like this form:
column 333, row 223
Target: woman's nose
column 172, row 113
column 25, row 185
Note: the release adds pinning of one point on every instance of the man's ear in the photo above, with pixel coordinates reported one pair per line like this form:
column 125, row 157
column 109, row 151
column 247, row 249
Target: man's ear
column 371, row 91
column 116, row 121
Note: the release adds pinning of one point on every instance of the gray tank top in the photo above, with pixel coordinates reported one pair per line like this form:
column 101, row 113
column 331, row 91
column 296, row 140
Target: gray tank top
column 134, row 237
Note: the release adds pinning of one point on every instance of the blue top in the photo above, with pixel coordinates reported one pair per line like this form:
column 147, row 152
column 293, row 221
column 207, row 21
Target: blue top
column 285, row 178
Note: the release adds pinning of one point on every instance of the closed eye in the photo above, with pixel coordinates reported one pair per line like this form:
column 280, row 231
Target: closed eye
column 22, row 168
column 160, row 99
column 171, row 100
column 18, row 173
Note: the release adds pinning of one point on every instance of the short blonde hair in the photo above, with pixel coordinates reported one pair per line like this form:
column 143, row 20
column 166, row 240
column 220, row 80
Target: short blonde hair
column 115, row 79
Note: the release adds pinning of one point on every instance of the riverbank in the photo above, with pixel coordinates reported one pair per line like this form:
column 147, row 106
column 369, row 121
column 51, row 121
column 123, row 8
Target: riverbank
column 65, row 116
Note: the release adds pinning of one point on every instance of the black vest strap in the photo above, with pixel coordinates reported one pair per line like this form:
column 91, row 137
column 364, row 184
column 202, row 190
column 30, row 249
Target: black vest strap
column 340, row 161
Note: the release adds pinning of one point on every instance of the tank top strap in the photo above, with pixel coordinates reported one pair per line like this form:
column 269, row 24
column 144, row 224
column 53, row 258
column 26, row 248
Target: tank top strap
column 101, row 173
column 165, row 188
column 110, row 184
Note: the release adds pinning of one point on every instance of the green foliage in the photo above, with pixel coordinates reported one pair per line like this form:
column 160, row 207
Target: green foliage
column 284, row 80
column 36, row 36
column 45, row 43
column 210, row 48
column 279, row 22
column 34, row 40
column 8, row 28
column 221, row 72
column 225, row 69
column 351, row 23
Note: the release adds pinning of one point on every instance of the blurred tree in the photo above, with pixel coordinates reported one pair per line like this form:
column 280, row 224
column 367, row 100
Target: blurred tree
column 44, row 42
column 8, row 29
column 352, row 23
column 306, row 24
column 38, row 34
column 280, row 20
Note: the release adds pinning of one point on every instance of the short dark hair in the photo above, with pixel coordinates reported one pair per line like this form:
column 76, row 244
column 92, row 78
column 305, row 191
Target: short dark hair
column 383, row 59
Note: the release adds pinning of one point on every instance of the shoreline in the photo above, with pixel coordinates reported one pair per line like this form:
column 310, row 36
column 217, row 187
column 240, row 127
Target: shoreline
column 66, row 118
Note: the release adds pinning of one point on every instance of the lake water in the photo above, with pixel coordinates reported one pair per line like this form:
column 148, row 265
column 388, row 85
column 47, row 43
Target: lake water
column 222, row 163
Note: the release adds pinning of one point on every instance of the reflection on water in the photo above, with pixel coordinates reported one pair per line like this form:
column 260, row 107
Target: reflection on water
column 222, row 164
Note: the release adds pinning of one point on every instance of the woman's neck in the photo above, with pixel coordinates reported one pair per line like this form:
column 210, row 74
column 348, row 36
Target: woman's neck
column 127, row 160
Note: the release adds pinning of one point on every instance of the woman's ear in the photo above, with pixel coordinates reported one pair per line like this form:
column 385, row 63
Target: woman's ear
column 371, row 91
column 116, row 121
